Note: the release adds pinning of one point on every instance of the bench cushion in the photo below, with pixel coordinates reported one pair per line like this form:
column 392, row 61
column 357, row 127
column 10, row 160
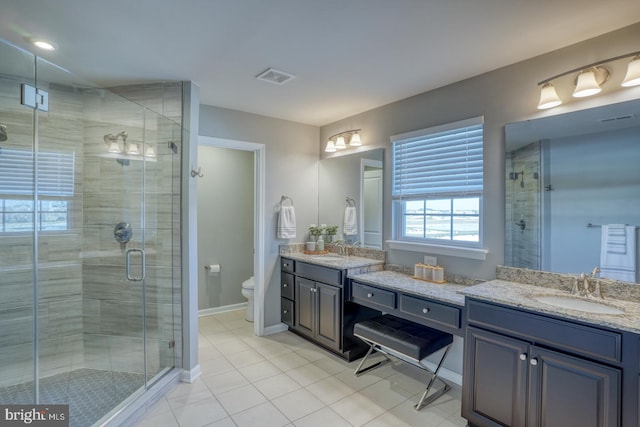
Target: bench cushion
column 405, row 337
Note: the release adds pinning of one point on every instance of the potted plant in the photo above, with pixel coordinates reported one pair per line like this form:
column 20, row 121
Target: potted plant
column 331, row 230
column 315, row 232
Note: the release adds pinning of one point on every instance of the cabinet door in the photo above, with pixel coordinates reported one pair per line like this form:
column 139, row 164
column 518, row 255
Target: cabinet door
column 305, row 306
column 495, row 379
column 329, row 309
column 571, row 392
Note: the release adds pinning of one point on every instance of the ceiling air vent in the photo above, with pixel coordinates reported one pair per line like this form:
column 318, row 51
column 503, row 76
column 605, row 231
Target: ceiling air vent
column 613, row 119
column 274, row 76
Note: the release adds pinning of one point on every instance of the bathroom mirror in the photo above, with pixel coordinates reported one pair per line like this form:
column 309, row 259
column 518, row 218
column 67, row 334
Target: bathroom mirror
column 358, row 176
column 567, row 176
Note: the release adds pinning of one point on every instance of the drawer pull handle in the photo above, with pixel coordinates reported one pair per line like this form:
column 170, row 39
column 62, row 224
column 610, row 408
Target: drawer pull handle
column 369, row 295
column 284, row 285
column 285, row 264
column 534, row 362
column 523, row 356
column 425, row 310
column 285, row 312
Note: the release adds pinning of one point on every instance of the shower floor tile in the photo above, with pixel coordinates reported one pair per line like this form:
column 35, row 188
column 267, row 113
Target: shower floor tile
column 90, row 393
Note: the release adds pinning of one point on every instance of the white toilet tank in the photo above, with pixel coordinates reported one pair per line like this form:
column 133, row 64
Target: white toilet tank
column 248, row 287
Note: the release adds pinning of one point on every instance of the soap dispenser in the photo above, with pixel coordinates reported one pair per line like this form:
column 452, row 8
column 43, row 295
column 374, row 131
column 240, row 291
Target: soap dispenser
column 320, row 244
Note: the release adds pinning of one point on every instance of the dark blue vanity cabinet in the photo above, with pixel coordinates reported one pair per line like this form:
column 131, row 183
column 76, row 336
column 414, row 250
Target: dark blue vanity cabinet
column 314, row 304
column 525, row 369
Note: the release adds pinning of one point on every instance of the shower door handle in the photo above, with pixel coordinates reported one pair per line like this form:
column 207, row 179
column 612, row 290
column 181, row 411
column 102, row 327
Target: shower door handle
column 143, row 269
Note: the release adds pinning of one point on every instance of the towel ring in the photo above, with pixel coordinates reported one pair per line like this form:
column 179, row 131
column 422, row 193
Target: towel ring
column 285, row 198
column 350, row 202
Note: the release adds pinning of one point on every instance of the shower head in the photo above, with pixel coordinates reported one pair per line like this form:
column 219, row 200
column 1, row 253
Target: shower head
column 3, row 133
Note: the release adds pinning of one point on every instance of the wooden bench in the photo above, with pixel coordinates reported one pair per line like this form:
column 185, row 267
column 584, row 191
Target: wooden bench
column 408, row 341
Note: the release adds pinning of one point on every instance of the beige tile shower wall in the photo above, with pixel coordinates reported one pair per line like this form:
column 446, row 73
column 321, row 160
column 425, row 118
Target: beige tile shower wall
column 524, row 202
column 59, row 267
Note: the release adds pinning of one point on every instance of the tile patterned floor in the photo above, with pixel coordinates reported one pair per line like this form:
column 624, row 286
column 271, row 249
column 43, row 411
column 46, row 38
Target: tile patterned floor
column 283, row 380
column 90, row 393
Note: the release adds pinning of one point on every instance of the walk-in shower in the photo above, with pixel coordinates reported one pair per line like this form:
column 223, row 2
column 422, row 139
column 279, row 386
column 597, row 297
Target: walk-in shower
column 86, row 320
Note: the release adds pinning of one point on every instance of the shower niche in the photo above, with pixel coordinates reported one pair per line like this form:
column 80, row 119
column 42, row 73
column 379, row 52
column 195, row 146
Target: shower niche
column 74, row 328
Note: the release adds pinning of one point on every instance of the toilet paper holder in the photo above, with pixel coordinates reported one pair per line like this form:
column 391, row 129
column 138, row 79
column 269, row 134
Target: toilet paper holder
column 212, row 268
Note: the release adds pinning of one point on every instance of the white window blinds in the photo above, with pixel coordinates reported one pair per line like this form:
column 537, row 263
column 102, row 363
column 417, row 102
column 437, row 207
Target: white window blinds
column 439, row 161
column 55, row 173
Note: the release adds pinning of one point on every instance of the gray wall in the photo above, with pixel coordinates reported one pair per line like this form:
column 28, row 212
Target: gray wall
column 225, row 224
column 291, row 169
column 502, row 96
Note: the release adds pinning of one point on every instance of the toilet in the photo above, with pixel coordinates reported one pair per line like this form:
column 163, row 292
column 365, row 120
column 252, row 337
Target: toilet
column 247, row 292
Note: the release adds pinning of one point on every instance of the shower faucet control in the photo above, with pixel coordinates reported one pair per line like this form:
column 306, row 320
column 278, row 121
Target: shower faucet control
column 123, row 232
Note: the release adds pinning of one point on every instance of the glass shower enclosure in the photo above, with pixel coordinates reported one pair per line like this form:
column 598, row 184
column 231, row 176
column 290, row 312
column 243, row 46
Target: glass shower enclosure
column 89, row 241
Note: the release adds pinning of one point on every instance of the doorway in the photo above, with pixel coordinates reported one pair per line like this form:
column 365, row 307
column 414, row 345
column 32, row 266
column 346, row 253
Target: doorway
column 230, row 203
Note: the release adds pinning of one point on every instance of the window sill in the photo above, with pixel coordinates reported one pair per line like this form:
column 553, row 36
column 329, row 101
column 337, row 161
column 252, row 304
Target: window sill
column 457, row 251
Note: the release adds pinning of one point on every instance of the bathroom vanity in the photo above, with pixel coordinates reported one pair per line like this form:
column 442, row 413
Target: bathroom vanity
column 315, row 301
column 527, row 364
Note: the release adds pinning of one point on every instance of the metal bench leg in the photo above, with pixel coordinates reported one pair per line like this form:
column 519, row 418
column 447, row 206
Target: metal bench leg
column 424, row 401
column 359, row 372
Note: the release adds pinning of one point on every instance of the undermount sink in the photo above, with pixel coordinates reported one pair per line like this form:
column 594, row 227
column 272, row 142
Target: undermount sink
column 328, row 257
column 578, row 304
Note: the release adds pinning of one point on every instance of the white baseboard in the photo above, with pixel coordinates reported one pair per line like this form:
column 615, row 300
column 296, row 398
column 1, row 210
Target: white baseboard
column 190, row 376
column 223, row 309
column 281, row 327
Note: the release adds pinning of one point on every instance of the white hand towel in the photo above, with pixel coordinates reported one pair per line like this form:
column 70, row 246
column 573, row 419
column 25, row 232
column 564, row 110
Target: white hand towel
column 618, row 260
column 350, row 221
column 286, row 223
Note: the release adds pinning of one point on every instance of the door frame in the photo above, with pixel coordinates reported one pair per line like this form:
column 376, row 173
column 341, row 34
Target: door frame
column 364, row 163
column 258, row 220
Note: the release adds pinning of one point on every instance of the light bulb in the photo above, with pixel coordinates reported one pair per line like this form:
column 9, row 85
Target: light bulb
column 548, row 97
column 150, row 152
column 114, row 147
column 355, row 140
column 331, row 148
column 133, row 149
column 587, row 84
column 632, row 78
column 340, row 145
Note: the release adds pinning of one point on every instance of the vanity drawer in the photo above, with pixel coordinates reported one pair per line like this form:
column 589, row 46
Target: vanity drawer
column 286, row 311
column 371, row 296
column 318, row 273
column 286, row 285
column 540, row 329
column 287, row 264
column 430, row 310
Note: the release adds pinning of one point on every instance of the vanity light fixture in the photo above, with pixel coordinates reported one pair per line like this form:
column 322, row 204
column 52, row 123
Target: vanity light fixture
column 548, row 97
column 150, row 151
column 339, row 140
column 132, row 148
column 632, row 78
column 589, row 80
column 112, row 142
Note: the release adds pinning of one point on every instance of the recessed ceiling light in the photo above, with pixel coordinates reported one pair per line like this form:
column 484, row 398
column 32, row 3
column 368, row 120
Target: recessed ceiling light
column 44, row 45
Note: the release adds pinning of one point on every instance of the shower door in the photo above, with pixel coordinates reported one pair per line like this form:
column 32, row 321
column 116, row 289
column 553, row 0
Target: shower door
column 89, row 241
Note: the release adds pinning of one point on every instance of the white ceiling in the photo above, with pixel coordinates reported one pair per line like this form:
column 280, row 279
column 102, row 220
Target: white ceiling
column 349, row 56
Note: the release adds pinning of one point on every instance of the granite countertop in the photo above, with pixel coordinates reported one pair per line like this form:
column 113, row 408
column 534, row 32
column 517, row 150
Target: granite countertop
column 446, row 292
column 519, row 295
column 335, row 260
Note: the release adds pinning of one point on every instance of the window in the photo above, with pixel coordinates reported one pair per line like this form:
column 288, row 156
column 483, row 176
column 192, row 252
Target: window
column 437, row 184
column 55, row 190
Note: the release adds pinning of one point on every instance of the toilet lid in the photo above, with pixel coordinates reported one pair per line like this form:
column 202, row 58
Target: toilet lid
column 248, row 284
